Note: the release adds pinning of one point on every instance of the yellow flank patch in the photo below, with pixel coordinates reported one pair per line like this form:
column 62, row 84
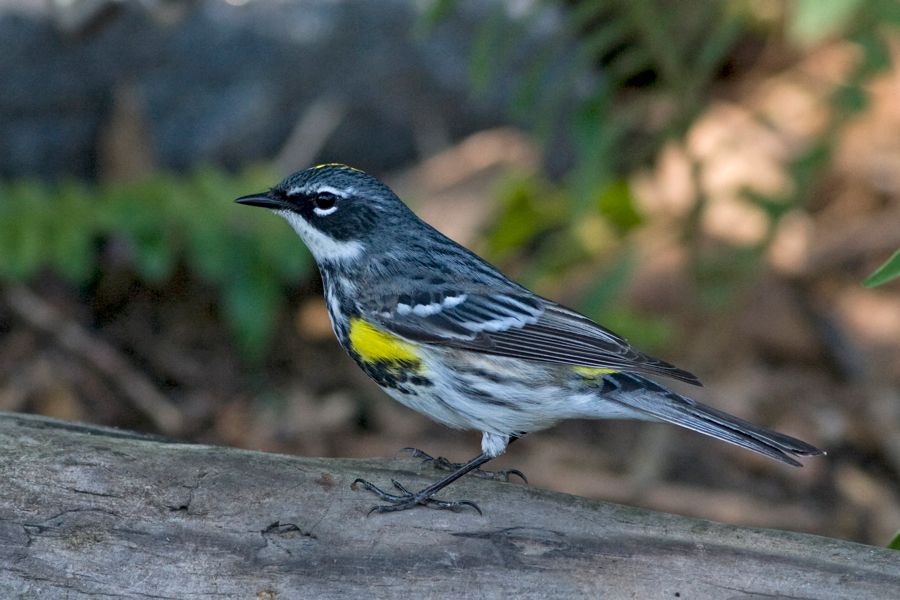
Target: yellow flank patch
column 592, row 372
column 377, row 345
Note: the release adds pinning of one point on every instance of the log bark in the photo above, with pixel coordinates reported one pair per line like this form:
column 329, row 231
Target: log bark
column 89, row 512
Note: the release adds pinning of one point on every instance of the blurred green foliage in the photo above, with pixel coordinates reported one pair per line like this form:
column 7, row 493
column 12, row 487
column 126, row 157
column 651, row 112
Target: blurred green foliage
column 644, row 70
column 162, row 222
column 641, row 71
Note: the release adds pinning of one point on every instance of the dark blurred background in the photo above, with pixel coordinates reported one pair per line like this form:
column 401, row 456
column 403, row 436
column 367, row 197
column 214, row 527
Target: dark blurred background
column 714, row 180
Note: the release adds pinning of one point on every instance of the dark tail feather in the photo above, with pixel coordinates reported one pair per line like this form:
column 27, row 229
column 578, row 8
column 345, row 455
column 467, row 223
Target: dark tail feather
column 654, row 400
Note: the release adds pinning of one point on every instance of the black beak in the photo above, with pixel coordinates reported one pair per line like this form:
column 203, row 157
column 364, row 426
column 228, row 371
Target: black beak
column 263, row 199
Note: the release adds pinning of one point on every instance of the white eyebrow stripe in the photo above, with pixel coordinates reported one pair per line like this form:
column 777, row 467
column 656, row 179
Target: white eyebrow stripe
column 327, row 189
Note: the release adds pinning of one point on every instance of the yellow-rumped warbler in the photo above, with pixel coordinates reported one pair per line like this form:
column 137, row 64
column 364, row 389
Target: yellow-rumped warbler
column 446, row 334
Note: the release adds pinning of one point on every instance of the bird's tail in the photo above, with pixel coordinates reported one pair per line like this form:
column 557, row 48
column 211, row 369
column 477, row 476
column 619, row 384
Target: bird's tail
column 657, row 402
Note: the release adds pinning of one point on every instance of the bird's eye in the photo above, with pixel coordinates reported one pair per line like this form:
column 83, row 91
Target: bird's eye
column 324, row 204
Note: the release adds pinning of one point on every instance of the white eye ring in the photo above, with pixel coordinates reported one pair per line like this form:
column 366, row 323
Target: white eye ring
column 324, row 212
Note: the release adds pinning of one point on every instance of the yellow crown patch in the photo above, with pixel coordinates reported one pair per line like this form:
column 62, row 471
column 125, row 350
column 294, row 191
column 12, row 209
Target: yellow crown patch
column 337, row 166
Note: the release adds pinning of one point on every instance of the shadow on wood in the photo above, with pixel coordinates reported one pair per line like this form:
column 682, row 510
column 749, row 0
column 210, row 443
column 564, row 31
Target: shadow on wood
column 89, row 512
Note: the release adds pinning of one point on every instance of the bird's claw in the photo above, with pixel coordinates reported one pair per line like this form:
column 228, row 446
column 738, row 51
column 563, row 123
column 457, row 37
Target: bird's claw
column 406, row 499
column 442, row 464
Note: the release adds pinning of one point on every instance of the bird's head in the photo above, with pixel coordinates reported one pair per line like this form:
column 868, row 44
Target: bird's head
column 337, row 210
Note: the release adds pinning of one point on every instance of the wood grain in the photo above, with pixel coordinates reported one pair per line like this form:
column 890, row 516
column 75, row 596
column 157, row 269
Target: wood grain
column 90, row 512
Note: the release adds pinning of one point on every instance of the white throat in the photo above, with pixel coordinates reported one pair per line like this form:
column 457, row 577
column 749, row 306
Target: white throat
column 322, row 246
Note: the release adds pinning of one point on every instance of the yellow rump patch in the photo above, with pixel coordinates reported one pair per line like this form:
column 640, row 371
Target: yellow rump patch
column 592, row 372
column 373, row 344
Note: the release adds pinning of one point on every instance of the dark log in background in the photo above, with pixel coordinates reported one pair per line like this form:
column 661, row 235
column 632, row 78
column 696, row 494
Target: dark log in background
column 89, row 512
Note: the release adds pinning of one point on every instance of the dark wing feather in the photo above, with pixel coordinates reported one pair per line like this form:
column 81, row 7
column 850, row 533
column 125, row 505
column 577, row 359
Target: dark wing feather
column 515, row 325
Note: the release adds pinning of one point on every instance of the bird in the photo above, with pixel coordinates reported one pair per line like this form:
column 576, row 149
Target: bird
column 446, row 334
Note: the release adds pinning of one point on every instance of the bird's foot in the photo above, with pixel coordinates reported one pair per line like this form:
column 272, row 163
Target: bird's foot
column 442, row 464
column 407, row 499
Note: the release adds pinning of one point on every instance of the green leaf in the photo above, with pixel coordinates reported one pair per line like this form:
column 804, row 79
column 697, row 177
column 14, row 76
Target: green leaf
column 206, row 252
column 877, row 54
column 629, row 62
column 29, row 227
column 605, row 38
column 894, row 544
column 722, row 37
column 72, row 233
column 851, row 98
column 73, row 253
column 488, row 51
column 889, row 270
column 438, row 11
column 155, row 254
column 531, row 207
column 617, row 205
column 886, row 12
column 811, row 21
column 251, row 302
column 649, row 332
column 609, row 286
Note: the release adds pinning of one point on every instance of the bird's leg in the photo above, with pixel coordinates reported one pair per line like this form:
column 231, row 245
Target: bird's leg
column 442, row 464
column 407, row 499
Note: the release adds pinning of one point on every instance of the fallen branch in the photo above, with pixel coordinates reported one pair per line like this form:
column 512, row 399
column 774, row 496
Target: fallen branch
column 89, row 512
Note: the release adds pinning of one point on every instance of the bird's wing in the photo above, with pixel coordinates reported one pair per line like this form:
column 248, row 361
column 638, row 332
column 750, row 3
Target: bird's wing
column 513, row 323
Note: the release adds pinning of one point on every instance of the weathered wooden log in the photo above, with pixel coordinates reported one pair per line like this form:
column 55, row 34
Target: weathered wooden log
column 90, row 512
